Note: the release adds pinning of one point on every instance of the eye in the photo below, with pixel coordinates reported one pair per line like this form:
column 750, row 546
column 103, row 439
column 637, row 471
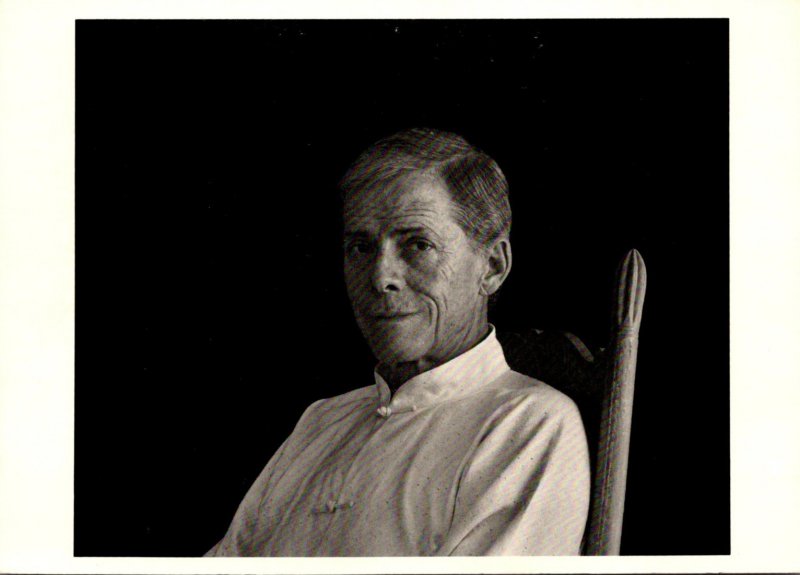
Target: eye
column 358, row 247
column 421, row 245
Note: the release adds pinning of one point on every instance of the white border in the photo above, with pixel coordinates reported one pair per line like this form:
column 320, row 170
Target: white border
column 37, row 278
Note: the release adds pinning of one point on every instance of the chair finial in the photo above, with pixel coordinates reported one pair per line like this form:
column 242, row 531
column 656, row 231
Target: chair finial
column 631, row 286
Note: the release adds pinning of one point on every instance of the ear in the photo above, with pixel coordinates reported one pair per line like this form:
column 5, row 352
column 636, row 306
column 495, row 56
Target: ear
column 498, row 260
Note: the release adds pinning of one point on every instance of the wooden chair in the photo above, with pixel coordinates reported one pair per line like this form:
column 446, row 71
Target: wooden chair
column 601, row 384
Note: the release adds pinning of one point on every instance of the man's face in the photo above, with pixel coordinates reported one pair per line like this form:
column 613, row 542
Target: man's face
column 412, row 275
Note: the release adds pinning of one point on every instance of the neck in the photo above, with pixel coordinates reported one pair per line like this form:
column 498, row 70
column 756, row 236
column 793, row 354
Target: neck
column 396, row 374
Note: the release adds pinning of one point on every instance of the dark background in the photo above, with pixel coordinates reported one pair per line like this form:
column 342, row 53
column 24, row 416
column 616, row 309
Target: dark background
column 210, row 304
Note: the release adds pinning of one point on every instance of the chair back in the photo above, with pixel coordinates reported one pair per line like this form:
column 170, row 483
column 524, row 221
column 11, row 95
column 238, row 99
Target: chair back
column 601, row 384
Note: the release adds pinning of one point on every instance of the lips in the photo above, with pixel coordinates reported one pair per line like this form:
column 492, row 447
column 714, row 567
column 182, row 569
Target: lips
column 392, row 315
column 389, row 313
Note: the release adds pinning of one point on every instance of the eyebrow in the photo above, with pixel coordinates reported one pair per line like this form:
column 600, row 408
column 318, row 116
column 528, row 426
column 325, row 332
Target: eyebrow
column 412, row 230
column 398, row 231
column 349, row 234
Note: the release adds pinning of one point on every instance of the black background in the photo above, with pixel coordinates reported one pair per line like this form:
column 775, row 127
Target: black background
column 210, row 304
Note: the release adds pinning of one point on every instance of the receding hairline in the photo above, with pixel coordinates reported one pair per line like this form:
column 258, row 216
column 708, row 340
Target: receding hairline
column 474, row 182
column 404, row 183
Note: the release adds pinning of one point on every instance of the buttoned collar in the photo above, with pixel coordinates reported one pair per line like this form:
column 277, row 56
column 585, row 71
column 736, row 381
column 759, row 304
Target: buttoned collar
column 460, row 376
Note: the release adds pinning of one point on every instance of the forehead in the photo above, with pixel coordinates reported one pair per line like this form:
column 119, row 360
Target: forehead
column 418, row 197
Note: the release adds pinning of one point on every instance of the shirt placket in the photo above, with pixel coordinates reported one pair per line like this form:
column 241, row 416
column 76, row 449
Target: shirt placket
column 342, row 498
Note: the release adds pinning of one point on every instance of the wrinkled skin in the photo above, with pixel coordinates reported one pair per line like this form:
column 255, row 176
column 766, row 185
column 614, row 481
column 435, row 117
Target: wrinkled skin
column 418, row 286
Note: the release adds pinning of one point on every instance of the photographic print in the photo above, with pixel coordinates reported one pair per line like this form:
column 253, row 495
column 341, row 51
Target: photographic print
column 211, row 299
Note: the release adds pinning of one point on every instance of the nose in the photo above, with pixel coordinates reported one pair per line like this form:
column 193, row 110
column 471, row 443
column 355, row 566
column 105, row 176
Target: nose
column 388, row 271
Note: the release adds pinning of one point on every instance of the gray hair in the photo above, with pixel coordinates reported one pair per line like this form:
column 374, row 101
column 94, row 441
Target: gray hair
column 477, row 186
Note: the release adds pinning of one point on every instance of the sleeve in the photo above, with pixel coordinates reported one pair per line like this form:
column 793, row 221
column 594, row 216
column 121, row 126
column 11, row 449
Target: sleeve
column 239, row 539
column 525, row 490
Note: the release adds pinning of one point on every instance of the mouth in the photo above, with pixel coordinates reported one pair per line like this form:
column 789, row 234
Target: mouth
column 393, row 316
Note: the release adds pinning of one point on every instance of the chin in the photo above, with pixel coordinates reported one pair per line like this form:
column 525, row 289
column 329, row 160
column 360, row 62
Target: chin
column 393, row 350
column 398, row 341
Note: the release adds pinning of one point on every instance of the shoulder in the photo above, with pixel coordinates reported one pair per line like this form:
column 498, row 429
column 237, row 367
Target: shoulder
column 349, row 401
column 524, row 402
column 328, row 414
column 530, row 424
column 530, row 391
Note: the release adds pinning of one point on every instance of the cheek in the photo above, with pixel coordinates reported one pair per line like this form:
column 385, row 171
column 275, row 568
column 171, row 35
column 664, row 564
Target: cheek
column 450, row 289
column 425, row 278
column 465, row 298
column 356, row 281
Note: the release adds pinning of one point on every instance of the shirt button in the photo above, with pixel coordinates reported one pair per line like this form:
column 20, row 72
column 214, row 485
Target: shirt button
column 331, row 506
column 384, row 411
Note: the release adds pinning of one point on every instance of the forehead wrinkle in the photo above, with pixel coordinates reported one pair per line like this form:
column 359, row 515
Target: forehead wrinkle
column 422, row 216
column 396, row 222
column 423, row 209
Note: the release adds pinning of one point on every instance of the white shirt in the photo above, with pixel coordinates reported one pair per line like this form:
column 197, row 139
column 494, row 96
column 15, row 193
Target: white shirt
column 469, row 458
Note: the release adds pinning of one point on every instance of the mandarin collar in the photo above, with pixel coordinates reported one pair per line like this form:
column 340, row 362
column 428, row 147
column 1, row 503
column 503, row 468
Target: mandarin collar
column 458, row 377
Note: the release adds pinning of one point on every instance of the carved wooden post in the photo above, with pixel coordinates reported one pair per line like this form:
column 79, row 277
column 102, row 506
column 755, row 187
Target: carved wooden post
column 608, row 491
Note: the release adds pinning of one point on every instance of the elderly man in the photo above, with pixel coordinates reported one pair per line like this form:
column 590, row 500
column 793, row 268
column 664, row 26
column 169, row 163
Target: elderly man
column 448, row 452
